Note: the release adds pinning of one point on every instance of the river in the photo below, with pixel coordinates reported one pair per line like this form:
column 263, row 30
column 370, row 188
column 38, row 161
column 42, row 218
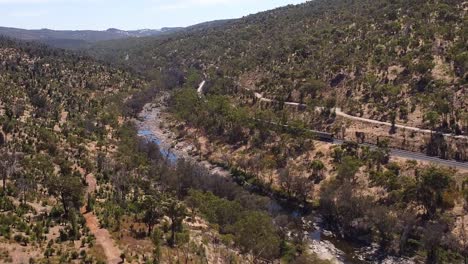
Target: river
column 319, row 240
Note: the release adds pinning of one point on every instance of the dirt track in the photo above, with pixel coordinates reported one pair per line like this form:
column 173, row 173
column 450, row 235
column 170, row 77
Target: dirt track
column 339, row 112
column 103, row 237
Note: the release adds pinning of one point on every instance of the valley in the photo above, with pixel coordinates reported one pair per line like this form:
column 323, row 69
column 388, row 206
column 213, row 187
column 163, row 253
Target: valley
column 329, row 131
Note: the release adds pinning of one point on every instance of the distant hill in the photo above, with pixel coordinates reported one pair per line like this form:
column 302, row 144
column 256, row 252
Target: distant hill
column 80, row 38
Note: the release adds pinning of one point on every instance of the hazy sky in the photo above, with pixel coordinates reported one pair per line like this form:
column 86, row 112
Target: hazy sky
column 125, row 14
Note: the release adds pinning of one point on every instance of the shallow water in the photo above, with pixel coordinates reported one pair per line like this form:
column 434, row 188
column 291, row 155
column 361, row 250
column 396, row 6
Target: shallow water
column 151, row 137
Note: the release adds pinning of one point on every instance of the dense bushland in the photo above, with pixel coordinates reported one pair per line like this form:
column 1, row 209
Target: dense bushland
column 63, row 118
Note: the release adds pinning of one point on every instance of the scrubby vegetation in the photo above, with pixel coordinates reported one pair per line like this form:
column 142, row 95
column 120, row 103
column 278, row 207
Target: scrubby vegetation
column 389, row 60
column 394, row 61
column 64, row 124
column 407, row 209
column 70, row 155
column 55, row 107
column 137, row 201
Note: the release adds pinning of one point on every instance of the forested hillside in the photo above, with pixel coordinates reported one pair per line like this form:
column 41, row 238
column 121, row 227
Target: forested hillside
column 83, row 178
column 56, row 109
column 79, row 186
column 68, row 160
column 397, row 61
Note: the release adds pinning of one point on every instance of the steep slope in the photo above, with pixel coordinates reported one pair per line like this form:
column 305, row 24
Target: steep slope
column 398, row 61
column 56, row 108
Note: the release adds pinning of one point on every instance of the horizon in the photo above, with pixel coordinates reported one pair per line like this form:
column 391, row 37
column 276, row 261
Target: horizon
column 145, row 14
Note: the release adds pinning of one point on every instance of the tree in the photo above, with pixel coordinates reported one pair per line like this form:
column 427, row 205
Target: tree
column 432, row 119
column 348, row 168
column 406, row 224
column 302, row 187
column 384, row 224
column 193, row 79
column 461, row 63
column 24, row 182
column 90, row 203
column 100, row 161
column 317, row 167
column 121, row 182
column 156, row 238
column 393, row 116
column 255, row 233
column 311, row 88
column 186, row 104
column 177, row 212
column 337, row 154
column 464, row 121
column 432, row 184
column 268, row 162
column 463, row 233
column 152, row 212
column 381, row 155
column 215, row 209
column 8, row 165
column 465, row 191
column 350, row 148
column 286, row 181
column 432, row 238
column 68, row 189
column 39, row 166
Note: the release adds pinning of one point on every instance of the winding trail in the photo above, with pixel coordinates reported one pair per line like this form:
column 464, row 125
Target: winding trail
column 427, row 131
column 393, row 152
column 339, row 112
column 103, row 237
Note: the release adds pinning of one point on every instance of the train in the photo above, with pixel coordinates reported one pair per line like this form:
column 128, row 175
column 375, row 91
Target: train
column 323, row 136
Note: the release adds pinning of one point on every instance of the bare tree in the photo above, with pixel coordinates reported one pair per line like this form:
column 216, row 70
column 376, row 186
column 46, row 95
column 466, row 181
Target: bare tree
column 286, row 181
column 121, row 182
column 8, row 165
column 303, row 188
